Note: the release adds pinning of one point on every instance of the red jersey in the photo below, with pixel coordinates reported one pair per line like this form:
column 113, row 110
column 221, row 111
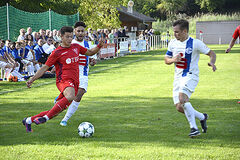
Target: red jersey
column 236, row 33
column 66, row 62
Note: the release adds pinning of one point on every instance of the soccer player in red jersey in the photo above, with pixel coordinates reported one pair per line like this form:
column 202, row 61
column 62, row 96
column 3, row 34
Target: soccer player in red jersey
column 65, row 59
column 236, row 34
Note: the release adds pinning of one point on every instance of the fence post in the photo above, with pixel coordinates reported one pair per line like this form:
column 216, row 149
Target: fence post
column 50, row 20
column 8, row 32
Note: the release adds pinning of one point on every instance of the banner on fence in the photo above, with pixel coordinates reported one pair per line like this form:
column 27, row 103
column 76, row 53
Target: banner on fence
column 134, row 45
column 107, row 51
column 123, row 47
column 142, row 45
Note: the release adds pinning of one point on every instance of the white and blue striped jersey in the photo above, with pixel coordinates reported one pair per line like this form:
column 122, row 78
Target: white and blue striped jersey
column 189, row 50
column 83, row 59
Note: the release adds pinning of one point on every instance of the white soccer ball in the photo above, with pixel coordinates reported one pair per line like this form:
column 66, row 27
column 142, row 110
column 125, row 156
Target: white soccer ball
column 85, row 129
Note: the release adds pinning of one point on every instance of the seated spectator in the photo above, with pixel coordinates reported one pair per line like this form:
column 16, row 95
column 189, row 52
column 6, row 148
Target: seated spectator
column 6, row 47
column 42, row 35
column 29, row 31
column 35, row 37
column 8, row 64
column 55, row 38
column 48, row 47
column 30, row 56
column 17, row 52
column 22, row 35
column 59, row 36
column 41, row 56
column 48, row 33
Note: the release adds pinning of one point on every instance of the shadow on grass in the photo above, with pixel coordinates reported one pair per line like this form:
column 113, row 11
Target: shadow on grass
column 120, row 121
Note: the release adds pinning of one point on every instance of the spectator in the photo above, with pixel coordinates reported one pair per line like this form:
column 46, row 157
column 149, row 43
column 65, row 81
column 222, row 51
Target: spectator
column 48, row 47
column 59, row 39
column 48, row 32
column 28, row 37
column 90, row 34
column 31, row 57
column 141, row 35
column 111, row 37
column 8, row 67
column 22, row 35
column 41, row 56
column 17, row 52
column 29, row 31
column 94, row 35
column 55, row 37
column 27, row 57
column 35, row 37
column 43, row 36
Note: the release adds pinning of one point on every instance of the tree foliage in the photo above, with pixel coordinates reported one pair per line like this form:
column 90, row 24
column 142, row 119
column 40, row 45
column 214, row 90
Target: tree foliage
column 66, row 7
column 100, row 13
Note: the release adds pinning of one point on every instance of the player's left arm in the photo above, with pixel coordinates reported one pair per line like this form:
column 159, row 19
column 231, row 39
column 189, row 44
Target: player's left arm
column 212, row 62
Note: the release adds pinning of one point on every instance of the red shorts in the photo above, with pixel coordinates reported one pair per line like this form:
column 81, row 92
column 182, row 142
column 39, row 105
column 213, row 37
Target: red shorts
column 64, row 84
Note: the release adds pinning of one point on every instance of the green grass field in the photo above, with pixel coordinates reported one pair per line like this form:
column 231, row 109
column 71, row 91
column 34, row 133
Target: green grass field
column 129, row 102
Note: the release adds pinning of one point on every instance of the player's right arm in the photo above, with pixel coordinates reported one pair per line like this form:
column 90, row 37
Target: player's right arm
column 234, row 38
column 39, row 74
column 231, row 45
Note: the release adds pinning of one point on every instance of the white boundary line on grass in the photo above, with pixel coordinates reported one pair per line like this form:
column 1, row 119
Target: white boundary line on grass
column 91, row 72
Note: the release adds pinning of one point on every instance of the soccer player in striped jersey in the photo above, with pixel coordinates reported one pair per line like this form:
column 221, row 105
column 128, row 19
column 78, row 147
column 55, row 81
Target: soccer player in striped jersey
column 184, row 52
column 84, row 61
column 66, row 60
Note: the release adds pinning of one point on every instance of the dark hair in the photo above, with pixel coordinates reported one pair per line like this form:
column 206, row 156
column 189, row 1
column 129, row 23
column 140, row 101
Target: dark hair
column 78, row 24
column 65, row 29
column 183, row 24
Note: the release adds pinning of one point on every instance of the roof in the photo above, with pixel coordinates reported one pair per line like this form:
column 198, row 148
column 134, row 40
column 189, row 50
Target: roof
column 135, row 15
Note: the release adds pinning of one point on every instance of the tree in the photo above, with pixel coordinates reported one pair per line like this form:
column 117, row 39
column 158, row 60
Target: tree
column 59, row 6
column 171, row 7
column 211, row 5
column 100, row 13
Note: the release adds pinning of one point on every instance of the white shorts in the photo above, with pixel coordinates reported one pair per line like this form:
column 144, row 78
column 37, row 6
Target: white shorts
column 83, row 82
column 184, row 85
column 3, row 64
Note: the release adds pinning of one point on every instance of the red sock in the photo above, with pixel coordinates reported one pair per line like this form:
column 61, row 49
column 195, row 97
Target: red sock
column 58, row 107
column 39, row 115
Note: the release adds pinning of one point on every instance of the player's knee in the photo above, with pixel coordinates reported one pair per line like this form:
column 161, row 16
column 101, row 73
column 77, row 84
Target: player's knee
column 182, row 100
column 70, row 98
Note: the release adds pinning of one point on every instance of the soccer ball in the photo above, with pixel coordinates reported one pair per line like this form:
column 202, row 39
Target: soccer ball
column 85, row 129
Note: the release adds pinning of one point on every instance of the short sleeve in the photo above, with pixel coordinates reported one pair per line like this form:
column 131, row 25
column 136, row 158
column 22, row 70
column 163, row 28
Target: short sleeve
column 236, row 33
column 201, row 47
column 51, row 59
column 82, row 50
column 169, row 52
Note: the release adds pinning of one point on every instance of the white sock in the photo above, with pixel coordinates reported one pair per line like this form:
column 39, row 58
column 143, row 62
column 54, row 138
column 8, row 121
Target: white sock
column 15, row 73
column 28, row 120
column 46, row 117
column 190, row 115
column 71, row 110
column 7, row 72
column 199, row 115
column 37, row 67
